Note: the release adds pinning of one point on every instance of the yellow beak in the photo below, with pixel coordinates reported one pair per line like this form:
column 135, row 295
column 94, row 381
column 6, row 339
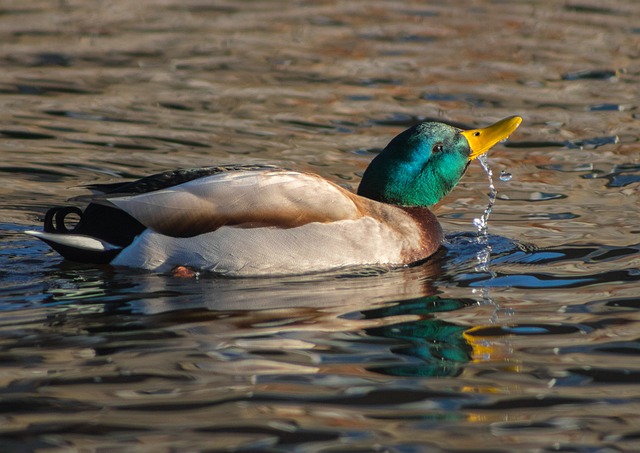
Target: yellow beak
column 481, row 140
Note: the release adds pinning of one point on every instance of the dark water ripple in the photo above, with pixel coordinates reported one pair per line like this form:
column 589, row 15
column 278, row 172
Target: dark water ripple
column 619, row 176
column 594, row 74
column 111, row 144
column 25, row 135
column 85, row 116
column 45, row 87
column 530, row 403
column 610, row 305
column 624, row 348
column 545, row 280
column 587, row 143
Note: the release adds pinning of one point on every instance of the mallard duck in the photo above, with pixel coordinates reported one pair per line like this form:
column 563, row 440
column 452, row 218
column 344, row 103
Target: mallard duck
column 248, row 220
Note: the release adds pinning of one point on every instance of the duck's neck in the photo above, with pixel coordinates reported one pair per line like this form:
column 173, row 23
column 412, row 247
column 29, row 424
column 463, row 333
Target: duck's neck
column 404, row 186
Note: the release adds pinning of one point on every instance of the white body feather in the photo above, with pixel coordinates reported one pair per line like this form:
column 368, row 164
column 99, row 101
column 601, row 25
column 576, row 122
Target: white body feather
column 269, row 251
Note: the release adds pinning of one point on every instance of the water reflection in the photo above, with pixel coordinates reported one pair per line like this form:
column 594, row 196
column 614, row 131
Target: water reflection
column 152, row 294
column 438, row 348
column 384, row 343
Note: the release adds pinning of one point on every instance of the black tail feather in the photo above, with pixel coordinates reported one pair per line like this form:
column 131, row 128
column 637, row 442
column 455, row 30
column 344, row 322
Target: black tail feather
column 109, row 224
column 54, row 219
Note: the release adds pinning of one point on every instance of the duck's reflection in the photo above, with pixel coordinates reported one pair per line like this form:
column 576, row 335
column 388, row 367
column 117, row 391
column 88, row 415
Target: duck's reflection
column 429, row 346
column 151, row 294
column 265, row 315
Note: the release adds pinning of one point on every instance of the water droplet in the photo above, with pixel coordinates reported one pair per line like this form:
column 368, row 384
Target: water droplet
column 483, row 223
column 505, row 176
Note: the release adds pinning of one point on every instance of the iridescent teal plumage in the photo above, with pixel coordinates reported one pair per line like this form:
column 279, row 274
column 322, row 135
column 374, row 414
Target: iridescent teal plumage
column 418, row 167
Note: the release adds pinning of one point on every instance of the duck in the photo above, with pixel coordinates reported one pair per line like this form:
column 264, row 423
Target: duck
column 262, row 220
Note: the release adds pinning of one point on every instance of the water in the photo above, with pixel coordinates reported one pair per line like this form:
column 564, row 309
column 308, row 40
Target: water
column 483, row 255
column 482, row 222
column 520, row 339
column 505, row 176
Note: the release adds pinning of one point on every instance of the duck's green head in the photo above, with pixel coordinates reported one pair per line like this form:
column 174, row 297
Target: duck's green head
column 422, row 164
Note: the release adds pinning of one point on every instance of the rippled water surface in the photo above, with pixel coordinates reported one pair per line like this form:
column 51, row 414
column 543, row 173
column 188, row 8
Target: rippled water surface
column 535, row 349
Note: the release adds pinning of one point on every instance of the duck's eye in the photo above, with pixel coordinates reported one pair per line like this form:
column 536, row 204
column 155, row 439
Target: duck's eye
column 438, row 147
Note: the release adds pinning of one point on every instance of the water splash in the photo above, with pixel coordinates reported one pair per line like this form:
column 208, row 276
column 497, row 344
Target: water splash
column 483, row 256
column 482, row 223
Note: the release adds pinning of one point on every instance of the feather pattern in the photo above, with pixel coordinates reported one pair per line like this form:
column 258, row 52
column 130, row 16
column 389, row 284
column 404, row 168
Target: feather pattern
column 253, row 198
